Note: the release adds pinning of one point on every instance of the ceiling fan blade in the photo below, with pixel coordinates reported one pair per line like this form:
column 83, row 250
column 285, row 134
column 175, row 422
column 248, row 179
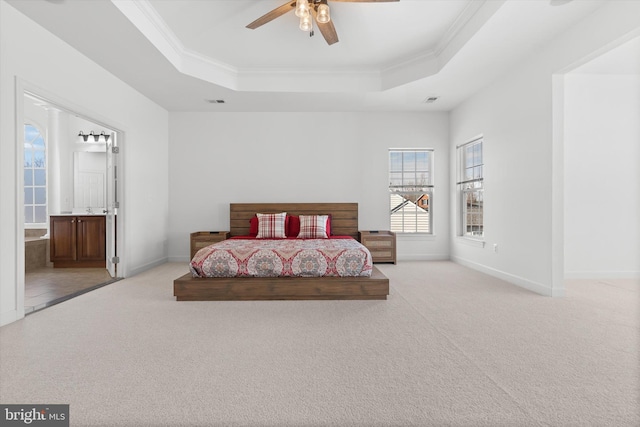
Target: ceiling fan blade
column 328, row 30
column 275, row 13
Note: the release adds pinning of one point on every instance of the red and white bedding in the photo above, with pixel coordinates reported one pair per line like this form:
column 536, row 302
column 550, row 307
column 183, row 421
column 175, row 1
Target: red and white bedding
column 340, row 256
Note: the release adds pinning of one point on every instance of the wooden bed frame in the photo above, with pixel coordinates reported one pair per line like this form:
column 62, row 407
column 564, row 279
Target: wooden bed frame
column 344, row 221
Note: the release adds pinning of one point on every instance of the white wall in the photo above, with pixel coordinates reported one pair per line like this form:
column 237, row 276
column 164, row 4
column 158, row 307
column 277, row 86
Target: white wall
column 41, row 60
column 523, row 165
column 602, row 177
column 221, row 158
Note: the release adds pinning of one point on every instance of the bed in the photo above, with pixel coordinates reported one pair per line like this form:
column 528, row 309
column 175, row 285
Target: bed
column 356, row 282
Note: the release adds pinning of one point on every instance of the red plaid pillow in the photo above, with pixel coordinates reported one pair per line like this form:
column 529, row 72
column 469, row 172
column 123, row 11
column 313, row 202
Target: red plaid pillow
column 313, row 227
column 271, row 226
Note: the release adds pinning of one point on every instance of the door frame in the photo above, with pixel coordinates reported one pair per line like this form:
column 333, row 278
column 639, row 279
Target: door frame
column 22, row 88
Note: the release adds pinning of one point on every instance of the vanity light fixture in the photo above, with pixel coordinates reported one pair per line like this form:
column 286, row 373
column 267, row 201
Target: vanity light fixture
column 96, row 136
column 85, row 137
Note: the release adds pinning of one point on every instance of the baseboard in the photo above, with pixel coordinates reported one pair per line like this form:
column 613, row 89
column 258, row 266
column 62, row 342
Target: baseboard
column 179, row 259
column 418, row 257
column 599, row 275
column 146, row 267
column 536, row 287
column 8, row 317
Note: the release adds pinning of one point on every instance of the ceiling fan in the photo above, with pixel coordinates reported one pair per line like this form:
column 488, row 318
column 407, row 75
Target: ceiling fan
column 309, row 11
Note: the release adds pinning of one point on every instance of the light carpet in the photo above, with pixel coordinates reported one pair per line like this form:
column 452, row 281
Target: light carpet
column 450, row 347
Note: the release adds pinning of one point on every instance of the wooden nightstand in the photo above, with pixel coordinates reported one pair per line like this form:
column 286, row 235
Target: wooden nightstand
column 381, row 244
column 200, row 239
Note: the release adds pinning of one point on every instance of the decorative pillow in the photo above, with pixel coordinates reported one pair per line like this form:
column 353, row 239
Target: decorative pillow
column 253, row 226
column 293, row 225
column 313, row 227
column 271, row 226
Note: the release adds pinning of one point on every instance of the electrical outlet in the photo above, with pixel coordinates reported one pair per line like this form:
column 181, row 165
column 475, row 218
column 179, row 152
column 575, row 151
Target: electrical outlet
column 495, row 247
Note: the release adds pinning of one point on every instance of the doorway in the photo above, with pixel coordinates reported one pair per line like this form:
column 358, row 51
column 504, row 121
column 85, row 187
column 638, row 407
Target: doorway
column 70, row 173
column 601, row 177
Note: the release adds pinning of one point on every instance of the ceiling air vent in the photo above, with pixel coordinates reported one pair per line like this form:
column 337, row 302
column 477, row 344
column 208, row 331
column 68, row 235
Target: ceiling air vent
column 430, row 100
column 215, row 101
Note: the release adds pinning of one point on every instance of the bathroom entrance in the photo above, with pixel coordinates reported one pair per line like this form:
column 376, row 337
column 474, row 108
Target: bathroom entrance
column 71, row 203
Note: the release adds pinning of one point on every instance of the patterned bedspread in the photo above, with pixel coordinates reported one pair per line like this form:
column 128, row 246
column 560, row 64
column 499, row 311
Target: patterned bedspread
column 283, row 257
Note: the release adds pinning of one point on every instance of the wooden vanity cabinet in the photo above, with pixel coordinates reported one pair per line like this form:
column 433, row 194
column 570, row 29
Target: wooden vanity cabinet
column 78, row 241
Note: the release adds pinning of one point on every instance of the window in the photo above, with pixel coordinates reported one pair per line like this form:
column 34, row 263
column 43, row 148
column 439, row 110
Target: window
column 471, row 188
column 35, row 177
column 411, row 190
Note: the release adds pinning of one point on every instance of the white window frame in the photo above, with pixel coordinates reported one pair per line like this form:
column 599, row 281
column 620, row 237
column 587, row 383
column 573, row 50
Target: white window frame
column 426, row 187
column 37, row 225
column 470, row 183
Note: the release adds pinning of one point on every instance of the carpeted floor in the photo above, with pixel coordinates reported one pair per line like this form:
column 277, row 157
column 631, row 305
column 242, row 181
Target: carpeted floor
column 450, row 347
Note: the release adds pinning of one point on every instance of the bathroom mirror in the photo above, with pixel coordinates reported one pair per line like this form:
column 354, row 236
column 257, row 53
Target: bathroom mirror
column 89, row 173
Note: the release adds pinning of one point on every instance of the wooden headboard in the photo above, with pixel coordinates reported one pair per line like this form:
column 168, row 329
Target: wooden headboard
column 344, row 216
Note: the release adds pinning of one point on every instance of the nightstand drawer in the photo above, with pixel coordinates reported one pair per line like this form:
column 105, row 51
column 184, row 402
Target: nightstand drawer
column 374, row 242
column 380, row 255
column 199, row 244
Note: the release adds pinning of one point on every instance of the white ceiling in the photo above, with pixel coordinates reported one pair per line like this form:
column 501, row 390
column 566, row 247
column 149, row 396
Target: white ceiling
column 371, row 34
column 390, row 57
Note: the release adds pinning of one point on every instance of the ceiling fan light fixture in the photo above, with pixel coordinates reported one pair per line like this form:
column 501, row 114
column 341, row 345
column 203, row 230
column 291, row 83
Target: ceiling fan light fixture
column 309, row 11
column 305, row 23
column 302, row 9
column 323, row 13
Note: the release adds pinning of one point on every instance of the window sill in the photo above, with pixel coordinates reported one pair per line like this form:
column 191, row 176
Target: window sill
column 471, row 242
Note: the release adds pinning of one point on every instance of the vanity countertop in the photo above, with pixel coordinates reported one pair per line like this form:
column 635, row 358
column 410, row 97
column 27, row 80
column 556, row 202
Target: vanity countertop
column 78, row 214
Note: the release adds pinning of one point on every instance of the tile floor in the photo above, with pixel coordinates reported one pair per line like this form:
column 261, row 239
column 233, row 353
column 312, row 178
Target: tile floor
column 48, row 286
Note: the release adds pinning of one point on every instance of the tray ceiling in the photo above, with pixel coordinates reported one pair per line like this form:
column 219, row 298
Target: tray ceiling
column 390, row 57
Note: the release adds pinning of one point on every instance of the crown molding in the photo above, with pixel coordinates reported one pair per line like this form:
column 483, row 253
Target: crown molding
column 143, row 16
